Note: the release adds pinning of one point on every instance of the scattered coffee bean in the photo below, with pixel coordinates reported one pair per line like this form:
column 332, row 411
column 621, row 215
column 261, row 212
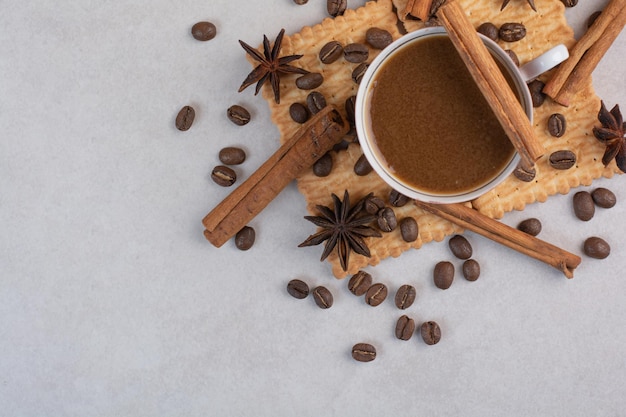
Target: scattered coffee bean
column 569, row 3
column 386, row 219
column 513, row 56
column 405, row 327
column 244, row 239
column 409, row 229
column 373, row 204
column 603, row 197
column 185, row 117
column 536, row 92
column 584, row 207
column 331, row 52
column 460, row 247
column 592, row 19
column 443, row 275
column 223, row 175
column 563, row 159
column 471, row 270
column 323, row 166
column 397, row 199
column 362, row 166
column 378, row 38
column 309, row 81
column 232, row 155
column 336, row 7
column 376, row 294
column 350, row 106
column 298, row 288
column 238, row 115
column 526, row 174
column 530, row 226
column 323, row 297
column 343, row 144
column 203, row 31
column 315, row 102
column 489, row 30
column 556, row 125
column 300, row 2
column 512, row 32
column 364, row 352
column 405, row 296
column 299, row 113
column 356, row 53
column 596, row 247
column 431, row 332
column 360, row 283
column 359, row 72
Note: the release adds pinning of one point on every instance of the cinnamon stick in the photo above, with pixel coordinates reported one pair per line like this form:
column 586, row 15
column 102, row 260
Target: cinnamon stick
column 418, row 8
column 524, row 243
column 298, row 153
column 491, row 82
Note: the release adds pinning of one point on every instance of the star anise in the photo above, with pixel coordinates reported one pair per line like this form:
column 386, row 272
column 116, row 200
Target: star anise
column 343, row 227
column 271, row 66
column 506, row 2
column 613, row 135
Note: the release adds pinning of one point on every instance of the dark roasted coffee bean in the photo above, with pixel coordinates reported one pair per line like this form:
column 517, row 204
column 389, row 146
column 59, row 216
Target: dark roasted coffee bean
column 244, row 239
column 323, row 166
column 563, row 159
column 336, row 7
column 331, row 52
column 300, row 2
column 397, row 199
column 238, row 115
column 184, row 118
column 405, row 327
column 489, row 30
column 443, row 275
column 364, row 352
column 405, row 296
column 223, row 175
column 359, row 72
column 298, row 288
column 386, row 219
column 323, row 297
column 431, row 332
column 525, row 174
column 378, row 38
column 471, row 270
column 513, row 56
column 374, row 204
column 356, row 53
column 584, row 207
column 350, row 108
column 342, row 145
column 360, row 283
column 299, row 113
column 557, row 125
column 596, row 247
column 232, row 155
column 460, row 247
column 569, row 3
column 362, row 166
column 536, row 92
column 376, row 294
column 512, row 32
column 315, row 102
column 530, row 226
column 603, row 197
column 309, row 81
column 592, row 19
column 409, row 229
column 203, row 31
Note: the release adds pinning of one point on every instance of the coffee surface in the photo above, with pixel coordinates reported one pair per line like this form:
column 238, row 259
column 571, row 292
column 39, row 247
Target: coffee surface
column 432, row 125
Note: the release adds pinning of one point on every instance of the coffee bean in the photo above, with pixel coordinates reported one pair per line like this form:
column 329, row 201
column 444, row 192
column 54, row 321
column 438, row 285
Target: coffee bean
column 350, row 106
column 512, row 32
column 513, row 56
column 596, row 247
column 331, row 52
column 386, row 219
column 360, row 283
column 397, row 199
column 409, row 229
column 471, row 270
column 460, row 247
column 323, row 297
column 569, row 3
column 584, row 207
column 362, row 166
column 309, row 81
column 323, row 166
column 374, row 204
column 603, row 197
column 223, row 175
column 298, row 289
column 300, row 2
column 563, row 159
column 355, row 53
column 299, row 113
column 336, row 7
column 405, row 296
column 203, row 31
column 185, row 117
column 556, row 125
column 489, row 30
column 526, row 174
column 364, row 352
column 238, row 115
column 530, row 226
column 378, row 38
column 405, row 327
column 431, row 332
column 592, row 18
column 536, row 92
column 443, row 275
column 315, row 102
column 359, row 72
column 244, row 239
column 376, row 294
column 232, row 155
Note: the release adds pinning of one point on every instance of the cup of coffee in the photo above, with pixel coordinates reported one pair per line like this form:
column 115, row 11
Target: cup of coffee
column 426, row 128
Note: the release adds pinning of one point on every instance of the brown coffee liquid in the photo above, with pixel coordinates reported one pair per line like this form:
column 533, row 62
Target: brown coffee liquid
column 432, row 124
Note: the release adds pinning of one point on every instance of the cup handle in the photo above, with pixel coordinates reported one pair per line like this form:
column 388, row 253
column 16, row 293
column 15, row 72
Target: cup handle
column 544, row 62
